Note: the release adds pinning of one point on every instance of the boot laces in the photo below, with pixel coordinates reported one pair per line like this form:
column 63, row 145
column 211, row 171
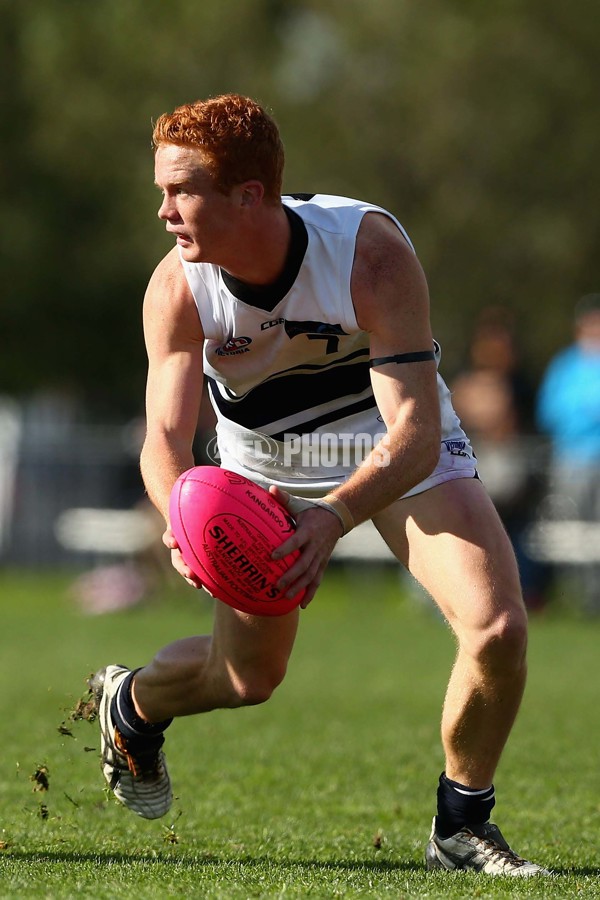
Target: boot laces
column 143, row 764
column 495, row 852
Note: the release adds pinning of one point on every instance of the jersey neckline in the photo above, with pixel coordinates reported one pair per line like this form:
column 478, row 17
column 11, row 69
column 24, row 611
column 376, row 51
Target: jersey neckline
column 269, row 295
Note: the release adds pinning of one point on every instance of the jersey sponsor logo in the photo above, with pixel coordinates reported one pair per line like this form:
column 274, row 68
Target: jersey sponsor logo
column 272, row 323
column 234, row 346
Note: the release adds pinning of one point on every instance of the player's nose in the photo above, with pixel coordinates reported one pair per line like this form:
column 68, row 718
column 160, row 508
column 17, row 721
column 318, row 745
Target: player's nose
column 167, row 210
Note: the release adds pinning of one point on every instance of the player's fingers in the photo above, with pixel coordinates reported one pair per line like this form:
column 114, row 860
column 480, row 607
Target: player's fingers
column 309, row 594
column 182, row 569
column 169, row 541
column 306, row 573
column 303, row 535
column 294, row 505
column 279, row 494
column 290, row 582
column 309, row 582
column 293, row 543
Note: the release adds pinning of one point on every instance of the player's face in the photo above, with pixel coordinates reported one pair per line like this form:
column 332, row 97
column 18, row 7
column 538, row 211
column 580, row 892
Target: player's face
column 201, row 218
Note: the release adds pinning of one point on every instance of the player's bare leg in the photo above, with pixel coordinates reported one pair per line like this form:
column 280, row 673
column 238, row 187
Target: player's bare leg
column 452, row 541
column 240, row 664
column 468, row 567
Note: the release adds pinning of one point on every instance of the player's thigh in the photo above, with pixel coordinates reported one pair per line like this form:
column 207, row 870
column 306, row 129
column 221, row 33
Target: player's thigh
column 453, row 542
column 263, row 643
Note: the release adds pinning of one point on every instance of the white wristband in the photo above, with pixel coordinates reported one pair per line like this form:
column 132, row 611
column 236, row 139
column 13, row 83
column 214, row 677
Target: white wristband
column 339, row 508
column 331, row 503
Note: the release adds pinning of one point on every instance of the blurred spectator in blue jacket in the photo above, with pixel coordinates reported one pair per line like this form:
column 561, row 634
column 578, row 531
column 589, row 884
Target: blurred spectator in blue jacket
column 568, row 410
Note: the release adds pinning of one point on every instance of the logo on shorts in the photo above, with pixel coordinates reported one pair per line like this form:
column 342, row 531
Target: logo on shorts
column 456, row 448
column 234, row 346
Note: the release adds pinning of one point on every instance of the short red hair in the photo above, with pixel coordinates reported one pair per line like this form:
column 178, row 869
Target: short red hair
column 239, row 140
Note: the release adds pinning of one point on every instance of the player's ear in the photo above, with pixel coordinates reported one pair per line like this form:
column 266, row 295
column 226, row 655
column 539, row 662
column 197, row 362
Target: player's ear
column 251, row 193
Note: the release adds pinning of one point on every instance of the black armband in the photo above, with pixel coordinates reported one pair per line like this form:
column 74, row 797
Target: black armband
column 417, row 356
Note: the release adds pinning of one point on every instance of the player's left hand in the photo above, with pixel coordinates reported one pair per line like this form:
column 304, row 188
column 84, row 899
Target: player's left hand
column 317, row 533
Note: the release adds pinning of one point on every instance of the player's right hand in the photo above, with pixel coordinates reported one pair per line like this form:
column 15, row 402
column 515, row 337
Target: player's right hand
column 317, row 532
column 177, row 560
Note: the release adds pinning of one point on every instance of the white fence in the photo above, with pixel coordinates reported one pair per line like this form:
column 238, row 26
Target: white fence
column 73, row 494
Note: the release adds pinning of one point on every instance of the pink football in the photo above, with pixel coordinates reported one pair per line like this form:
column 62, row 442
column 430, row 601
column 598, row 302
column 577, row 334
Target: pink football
column 227, row 527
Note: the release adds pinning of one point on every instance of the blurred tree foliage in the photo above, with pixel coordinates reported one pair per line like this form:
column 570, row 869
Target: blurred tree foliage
column 475, row 123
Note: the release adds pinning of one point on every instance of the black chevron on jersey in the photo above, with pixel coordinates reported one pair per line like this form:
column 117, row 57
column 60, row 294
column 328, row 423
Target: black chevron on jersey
column 306, row 369
column 311, row 425
column 293, row 394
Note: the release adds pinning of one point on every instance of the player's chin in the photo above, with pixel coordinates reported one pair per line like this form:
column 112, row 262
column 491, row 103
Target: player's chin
column 189, row 250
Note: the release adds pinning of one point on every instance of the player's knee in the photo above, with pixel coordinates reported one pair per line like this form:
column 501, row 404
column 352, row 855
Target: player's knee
column 502, row 645
column 253, row 686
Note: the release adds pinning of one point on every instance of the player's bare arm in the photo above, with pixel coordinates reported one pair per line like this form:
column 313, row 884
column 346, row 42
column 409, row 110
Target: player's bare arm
column 174, row 342
column 391, row 300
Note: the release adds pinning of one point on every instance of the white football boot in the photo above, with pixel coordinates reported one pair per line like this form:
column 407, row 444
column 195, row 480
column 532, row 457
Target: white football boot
column 138, row 778
column 479, row 848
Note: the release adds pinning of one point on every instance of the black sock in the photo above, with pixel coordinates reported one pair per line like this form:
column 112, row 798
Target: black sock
column 458, row 805
column 126, row 719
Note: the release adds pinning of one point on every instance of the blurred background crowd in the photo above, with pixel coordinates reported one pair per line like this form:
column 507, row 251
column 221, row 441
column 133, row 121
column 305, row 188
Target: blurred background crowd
column 475, row 124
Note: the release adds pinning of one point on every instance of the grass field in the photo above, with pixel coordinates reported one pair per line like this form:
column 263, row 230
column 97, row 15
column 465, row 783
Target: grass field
column 326, row 791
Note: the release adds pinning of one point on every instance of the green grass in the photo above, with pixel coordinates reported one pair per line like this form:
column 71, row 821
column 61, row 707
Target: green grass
column 326, row 791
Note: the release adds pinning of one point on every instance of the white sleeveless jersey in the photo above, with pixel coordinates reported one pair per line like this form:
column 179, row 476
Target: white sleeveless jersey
column 288, row 365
